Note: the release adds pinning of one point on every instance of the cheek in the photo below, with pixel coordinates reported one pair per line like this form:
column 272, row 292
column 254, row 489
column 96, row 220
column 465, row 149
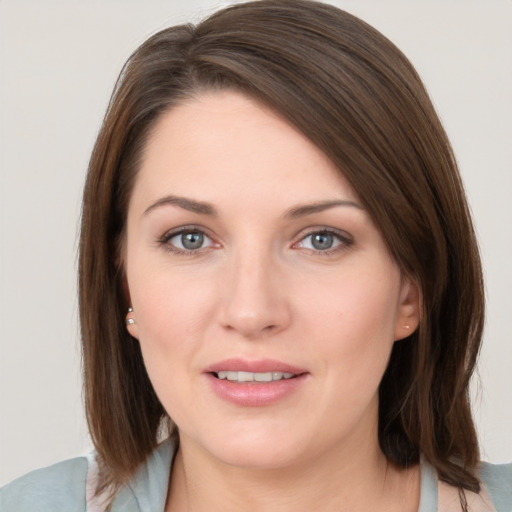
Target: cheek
column 354, row 323
column 354, row 327
column 358, row 305
column 172, row 308
column 168, row 299
column 168, row 326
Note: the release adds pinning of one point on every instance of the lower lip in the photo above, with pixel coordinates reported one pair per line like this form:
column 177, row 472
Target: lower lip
column 255, row 394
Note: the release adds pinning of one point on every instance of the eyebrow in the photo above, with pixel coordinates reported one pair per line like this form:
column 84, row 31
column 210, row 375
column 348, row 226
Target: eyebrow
column 309, row 209
column 187, row 204
column 204, row 208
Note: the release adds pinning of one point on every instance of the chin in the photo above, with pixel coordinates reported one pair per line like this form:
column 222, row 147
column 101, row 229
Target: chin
column 254, row 451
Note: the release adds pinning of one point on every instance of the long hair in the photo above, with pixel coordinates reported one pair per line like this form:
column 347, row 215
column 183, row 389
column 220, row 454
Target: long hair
column 357, row 97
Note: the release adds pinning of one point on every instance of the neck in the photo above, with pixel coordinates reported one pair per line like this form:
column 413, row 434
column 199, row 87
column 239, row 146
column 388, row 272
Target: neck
column 357, row 480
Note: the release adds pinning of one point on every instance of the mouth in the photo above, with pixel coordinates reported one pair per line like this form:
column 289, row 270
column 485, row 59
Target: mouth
column 247, row 377
column 244, row 370
column 250, row 383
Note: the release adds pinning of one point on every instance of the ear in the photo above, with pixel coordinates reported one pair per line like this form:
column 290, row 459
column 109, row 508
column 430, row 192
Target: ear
column 130, row 320
column 408, row 313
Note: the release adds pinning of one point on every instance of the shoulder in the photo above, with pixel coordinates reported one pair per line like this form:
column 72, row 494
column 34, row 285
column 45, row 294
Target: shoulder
column 497, row 479
column 66, row 486
column 60, row 487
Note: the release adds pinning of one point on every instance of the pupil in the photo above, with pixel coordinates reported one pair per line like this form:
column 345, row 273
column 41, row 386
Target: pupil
column 322, row 241
column 192, row 240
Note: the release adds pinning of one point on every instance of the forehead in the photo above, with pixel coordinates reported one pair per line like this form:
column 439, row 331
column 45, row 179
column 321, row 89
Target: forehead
column 226, row 145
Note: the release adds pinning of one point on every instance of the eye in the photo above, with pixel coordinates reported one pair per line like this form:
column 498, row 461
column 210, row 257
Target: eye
column 187, row 241
column 324, row 241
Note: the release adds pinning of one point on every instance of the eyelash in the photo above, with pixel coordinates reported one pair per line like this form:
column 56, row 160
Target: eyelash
column 345, row 241
column 164, row 241
column 343, row 238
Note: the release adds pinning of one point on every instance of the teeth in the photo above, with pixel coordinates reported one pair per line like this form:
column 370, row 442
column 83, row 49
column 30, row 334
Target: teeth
column 245, row 377
column 252, row 376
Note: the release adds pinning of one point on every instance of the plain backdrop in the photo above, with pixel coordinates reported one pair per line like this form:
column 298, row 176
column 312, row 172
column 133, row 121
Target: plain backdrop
column 58, row 63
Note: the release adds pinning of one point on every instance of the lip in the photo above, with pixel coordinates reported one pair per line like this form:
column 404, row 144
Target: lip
column 254, row 394
column 260, row 366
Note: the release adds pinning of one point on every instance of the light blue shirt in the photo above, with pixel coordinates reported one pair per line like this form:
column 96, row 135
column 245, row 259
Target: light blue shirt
column 61, row 487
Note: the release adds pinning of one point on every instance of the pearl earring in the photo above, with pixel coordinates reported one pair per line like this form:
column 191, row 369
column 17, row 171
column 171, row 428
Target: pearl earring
column 129, row 321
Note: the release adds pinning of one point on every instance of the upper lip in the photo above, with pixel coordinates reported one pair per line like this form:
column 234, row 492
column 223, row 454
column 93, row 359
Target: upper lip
column 259, row 366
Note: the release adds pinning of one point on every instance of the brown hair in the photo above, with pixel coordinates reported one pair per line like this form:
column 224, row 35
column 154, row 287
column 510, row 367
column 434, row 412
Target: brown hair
column 357, row 97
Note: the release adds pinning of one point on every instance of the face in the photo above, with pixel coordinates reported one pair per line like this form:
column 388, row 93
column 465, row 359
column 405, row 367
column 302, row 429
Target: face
column 265, row 301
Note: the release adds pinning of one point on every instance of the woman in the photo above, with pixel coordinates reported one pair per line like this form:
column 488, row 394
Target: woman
column 278, row 272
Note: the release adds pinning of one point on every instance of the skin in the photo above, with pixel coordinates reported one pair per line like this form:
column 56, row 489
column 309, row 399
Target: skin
column 259, row 288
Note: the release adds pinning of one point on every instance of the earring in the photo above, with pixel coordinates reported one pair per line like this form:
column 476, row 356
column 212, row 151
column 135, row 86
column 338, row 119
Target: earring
column 407, row 326
column 129, row 321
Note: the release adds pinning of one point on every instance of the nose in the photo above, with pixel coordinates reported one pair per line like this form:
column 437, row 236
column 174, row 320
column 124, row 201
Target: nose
column 255, row 302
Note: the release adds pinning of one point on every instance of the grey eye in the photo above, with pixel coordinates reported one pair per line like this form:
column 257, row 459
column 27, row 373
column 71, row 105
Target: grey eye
column 190, row 241
column 322, row 241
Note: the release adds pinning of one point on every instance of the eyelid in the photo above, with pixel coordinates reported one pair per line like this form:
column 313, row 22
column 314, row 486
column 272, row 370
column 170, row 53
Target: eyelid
column 345, row 239
column 171, row 233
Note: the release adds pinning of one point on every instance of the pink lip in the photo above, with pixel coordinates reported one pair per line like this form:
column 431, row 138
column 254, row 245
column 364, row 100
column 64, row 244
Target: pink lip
column 254, row 394
column 261, row 366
